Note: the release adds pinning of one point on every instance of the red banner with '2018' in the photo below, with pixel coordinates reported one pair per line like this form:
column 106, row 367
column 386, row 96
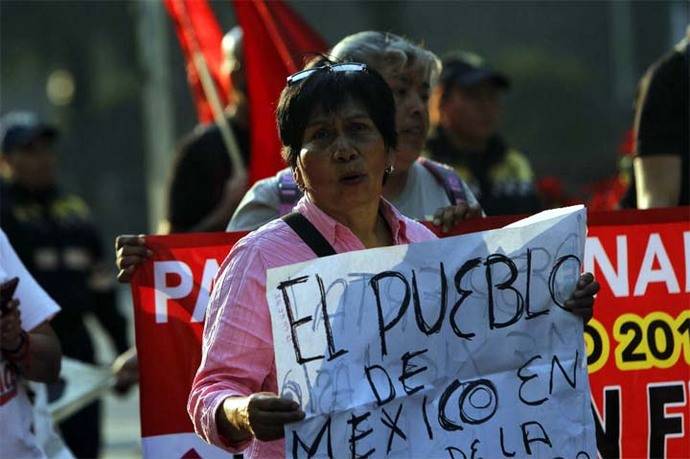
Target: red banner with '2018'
column 638, row 344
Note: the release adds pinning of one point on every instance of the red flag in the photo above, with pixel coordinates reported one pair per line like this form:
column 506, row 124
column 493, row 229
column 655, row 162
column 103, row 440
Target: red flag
column 276, row 43
column 199, row 32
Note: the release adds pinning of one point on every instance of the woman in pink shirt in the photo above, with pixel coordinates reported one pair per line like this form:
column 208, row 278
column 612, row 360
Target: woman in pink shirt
column 337, row 126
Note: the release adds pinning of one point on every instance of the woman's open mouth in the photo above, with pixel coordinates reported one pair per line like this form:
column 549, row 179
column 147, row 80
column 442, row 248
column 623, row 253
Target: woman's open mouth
column 413, row 131
column 353, row 178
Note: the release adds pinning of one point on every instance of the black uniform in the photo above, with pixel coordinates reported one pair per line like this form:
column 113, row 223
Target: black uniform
column 500, row 177
column 56, row 240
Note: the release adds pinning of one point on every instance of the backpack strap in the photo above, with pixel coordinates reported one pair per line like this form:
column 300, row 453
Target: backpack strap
column 288, row 191
column 309, row 234
column 448, row 178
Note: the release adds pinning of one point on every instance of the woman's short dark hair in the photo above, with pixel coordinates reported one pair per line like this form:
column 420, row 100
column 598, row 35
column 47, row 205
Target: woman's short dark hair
column 329, row 91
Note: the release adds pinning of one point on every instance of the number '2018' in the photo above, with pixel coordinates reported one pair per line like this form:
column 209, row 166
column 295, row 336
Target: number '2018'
column 653, row 341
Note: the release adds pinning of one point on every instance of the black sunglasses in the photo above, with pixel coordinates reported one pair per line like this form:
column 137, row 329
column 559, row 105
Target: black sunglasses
column 343, row 67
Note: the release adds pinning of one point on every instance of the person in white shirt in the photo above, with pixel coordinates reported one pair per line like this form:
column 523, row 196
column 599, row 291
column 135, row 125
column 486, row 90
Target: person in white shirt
column 30, row 351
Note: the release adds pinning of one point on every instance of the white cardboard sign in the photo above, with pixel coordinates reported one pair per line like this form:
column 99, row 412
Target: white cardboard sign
column 455, row 348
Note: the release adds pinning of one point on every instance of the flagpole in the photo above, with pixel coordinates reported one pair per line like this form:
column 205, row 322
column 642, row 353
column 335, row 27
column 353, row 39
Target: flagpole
column 156, row 105
column 209, row 87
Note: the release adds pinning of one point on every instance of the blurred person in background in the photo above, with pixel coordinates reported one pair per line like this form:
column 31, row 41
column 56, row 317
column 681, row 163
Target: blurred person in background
column 467, row 111
column 202, row 195
column 421, row 189
column 30, row 351
column 56, row 239
column 662, row 130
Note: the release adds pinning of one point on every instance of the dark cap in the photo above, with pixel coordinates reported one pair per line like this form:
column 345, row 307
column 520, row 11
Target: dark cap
column 467, row 69
column 19, row 129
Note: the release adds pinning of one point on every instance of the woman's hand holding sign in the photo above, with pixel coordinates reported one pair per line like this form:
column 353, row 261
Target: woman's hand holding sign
column 448, row 217
column 262, row 415
column 130, row 252
column 581, row 302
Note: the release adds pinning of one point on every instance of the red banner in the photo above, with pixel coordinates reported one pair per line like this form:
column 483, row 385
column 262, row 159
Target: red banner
column 198, row 32
column 638, row 344
column 277, row 42
column 170, row 293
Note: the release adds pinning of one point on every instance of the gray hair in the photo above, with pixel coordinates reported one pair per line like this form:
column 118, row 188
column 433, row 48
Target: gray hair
column 387, row 53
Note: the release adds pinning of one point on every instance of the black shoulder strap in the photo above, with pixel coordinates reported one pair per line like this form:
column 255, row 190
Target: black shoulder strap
column 309, row 234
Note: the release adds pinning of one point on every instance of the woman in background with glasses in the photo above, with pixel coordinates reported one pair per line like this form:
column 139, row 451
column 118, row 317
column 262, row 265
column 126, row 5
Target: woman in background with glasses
column 337, row 127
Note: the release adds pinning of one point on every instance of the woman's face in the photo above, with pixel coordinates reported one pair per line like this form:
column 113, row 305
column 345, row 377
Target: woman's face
column 343, row 159
column 411, row 91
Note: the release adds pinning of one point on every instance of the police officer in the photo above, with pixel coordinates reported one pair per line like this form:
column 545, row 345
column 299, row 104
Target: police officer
column 55, row 238
column 467, row 106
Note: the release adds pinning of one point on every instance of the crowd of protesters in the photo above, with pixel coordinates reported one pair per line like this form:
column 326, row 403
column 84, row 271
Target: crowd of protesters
column 378, row 134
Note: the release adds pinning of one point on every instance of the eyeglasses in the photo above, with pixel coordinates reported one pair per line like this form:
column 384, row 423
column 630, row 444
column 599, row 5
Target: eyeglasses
column 343, row 67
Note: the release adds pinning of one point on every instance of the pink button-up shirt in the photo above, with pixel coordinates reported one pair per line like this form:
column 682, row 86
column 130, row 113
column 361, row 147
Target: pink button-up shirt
column 237, row 351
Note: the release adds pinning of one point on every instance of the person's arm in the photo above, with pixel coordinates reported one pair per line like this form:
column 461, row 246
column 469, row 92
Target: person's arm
column 660, row 126
column 45, row 355
column 658, row 179
column 36, row 352
column 227, row 403
column 126, row 370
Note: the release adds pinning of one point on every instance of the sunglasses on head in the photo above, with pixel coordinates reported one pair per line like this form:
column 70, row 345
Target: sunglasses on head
column 343, row 67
